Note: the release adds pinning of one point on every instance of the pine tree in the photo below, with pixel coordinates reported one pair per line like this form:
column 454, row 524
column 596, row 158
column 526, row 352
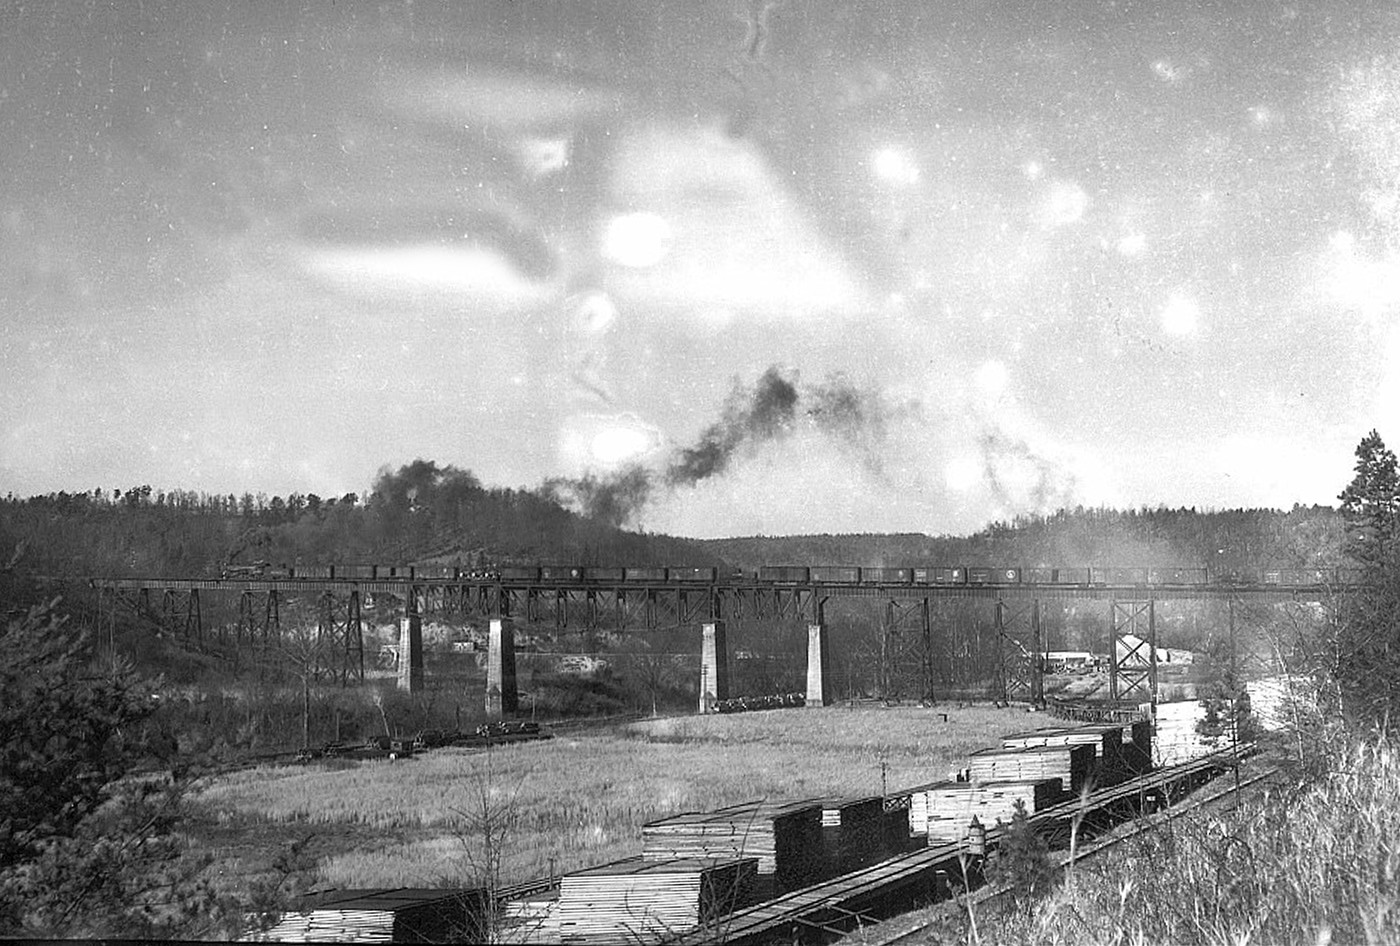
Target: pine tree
column 1368, row 629
column 1371, row 504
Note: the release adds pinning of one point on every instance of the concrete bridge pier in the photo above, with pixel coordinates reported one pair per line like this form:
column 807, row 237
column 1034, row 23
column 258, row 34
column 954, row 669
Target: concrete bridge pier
column 714, row 666
column 411, row 645
column 501, row 694
column 818, row 659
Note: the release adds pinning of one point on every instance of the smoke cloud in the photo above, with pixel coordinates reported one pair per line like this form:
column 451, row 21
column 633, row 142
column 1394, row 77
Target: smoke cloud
column 615, row 498
column 765, row 414
column 1022, row 479
column 772, row 410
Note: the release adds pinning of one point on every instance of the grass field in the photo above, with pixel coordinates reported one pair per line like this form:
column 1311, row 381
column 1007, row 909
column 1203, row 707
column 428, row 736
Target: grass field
column 578, row 800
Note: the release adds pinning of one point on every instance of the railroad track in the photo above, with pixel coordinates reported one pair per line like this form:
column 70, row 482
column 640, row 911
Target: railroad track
column 829, row 909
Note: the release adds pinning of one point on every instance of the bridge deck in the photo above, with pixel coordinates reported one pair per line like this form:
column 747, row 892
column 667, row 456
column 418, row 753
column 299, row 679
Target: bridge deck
column 1048, row 591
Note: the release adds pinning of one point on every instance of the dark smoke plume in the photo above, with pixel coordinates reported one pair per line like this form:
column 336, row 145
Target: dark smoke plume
column 614, row 498
column 767, row 414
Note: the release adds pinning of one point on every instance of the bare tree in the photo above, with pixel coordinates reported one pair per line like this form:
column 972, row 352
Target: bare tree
column 484, row 824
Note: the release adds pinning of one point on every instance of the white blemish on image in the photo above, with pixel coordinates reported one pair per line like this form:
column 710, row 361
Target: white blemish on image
column 637, row 240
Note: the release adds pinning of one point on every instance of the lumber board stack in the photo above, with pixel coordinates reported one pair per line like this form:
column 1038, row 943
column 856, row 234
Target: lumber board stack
column 1107, row 737
column 1072, row 765
column 952, row 805
column 385, row 916
column 1115, row 762
column 647, row 901
column 786, row 838
column 853, row 833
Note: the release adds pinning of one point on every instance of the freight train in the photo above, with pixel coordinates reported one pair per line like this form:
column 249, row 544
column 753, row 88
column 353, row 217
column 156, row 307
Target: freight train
column 805, row 575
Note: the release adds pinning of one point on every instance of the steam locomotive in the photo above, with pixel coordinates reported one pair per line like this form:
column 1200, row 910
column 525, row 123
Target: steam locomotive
column 806, row 575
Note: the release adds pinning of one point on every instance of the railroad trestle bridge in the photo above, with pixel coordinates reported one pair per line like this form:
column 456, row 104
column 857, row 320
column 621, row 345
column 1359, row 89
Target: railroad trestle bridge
column 907, row 623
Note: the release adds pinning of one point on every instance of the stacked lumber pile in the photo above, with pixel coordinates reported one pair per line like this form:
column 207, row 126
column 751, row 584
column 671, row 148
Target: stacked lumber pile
column 1072, row 765
column 647, row 901
column 786, row 838
column 953, row 805
column 1108, row 737
column 1111, row 766
column 853, row 833
column 385, row 916
column 919, row 806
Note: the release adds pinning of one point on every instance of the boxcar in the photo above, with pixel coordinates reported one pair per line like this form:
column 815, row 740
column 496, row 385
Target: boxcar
column 518, row 572
column 690, row 573
column 982, row 575
column 1118, row 576
column 644, row 574
column 784, row 574
column 1039, row 576
column 312, row 571
column 835, row 574
column 1071, row 576
column 949, row 575
column 434, row 571
column 354, row 572
column 599, row 573
column 886, row 576
column 560, row 573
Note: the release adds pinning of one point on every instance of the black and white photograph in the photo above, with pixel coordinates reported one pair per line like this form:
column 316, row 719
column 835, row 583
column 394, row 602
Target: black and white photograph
column 861, row 472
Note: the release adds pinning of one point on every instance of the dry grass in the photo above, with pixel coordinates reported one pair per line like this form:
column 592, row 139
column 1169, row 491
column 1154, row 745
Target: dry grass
column 577, row 801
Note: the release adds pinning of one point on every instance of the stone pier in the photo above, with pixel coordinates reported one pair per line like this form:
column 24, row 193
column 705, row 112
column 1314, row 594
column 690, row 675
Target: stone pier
column 411, row 651
column 817, row 661
column 714, row 666
column 502, row 698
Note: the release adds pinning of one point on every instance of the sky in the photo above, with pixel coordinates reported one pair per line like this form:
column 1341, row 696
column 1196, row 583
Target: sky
column 798, row 266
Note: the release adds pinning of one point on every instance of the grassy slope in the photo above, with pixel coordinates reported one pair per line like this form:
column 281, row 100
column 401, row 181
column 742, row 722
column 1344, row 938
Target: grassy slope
column 580, row 800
